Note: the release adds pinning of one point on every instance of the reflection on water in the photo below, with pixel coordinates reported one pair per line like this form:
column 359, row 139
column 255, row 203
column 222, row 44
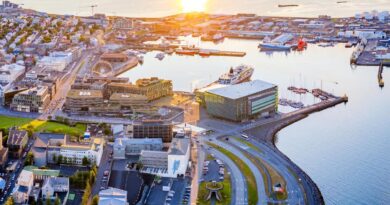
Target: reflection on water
column 344, row 149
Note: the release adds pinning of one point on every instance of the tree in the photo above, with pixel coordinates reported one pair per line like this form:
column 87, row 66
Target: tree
column 57, row 201
column 86, row 161
column 87, row 193
column 10, row 201
column 30, row 130
column 29, row 159
column 59, row 159
column 95, row 200
column 54, row 158
column 48, row 201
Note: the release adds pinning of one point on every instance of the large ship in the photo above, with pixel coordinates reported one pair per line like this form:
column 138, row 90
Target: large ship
column 236, row 75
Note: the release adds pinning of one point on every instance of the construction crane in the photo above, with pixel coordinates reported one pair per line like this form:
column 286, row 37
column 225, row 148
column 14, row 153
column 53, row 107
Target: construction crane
column 93, row 8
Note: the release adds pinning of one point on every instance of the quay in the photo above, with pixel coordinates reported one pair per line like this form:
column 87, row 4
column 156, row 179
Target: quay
column 266, row 132
column 186, row 50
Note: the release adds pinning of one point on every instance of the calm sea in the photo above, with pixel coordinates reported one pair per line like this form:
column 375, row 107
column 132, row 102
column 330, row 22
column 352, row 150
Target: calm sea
column 344, row 149
column 155, row 8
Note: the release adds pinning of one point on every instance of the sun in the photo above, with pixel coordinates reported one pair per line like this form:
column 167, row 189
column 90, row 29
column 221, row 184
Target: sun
column 193, row 5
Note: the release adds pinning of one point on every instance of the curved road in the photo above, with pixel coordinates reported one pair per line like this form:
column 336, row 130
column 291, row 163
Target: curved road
column 294, row 190
column 240, row 196
column 263, row 199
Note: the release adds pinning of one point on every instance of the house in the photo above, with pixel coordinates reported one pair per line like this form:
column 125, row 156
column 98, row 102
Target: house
column 56, row 187
column 3, row 153
column 17, row 141
column 23, row 187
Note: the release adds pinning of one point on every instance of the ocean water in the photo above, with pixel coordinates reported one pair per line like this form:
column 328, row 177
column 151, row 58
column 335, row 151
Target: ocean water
column 344, row 149
column 156, row 8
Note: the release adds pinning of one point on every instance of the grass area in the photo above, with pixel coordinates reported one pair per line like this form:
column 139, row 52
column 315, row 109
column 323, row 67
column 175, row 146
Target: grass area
column 246, row 171
column 226, row 192
column 55, row 127
column 202, row 194
column 42, row 126
column 209, row 157
column 7, row 122
column 248, row 144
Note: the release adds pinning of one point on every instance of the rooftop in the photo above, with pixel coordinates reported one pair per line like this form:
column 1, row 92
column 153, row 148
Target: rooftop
column 125, row 141
column 179, row 146
column 243, row 89
column 112, row 196
column 25, row 177
column 16, row 136
column 76, row 93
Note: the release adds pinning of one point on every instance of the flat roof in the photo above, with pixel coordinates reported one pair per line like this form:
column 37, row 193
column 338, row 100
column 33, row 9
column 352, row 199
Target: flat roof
column 78, row 93
column 243, row 89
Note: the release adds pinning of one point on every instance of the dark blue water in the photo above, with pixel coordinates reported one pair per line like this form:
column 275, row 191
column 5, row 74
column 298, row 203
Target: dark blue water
column 344, row 149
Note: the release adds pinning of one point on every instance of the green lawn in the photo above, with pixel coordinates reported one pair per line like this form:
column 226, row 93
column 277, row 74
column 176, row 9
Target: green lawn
column 42, row 126
column 226, row 192
column 246, row 171
column 55, row 127
column 7, row 122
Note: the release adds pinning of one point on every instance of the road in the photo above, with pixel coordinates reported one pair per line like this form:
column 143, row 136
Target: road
column 239, row 186
column 263, row 198
column 293, row 188
column 59, row 98
column 105, row 164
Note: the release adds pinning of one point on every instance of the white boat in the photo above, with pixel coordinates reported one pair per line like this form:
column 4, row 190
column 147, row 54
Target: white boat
column 160, row 56
column 279, row 43
column 236, row 75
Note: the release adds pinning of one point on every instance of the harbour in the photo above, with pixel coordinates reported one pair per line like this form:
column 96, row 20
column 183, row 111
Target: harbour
column 309, row 134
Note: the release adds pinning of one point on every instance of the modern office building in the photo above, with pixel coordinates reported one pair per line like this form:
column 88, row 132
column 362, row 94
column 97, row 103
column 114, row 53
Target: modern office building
column 152, row 129
column 83, row 100
column 171, row 163
column 32, row 100
column 129, row 146
column 243, row 101
column 153, row 88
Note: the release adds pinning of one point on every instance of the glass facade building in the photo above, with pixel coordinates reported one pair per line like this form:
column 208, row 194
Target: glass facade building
column 242, row 102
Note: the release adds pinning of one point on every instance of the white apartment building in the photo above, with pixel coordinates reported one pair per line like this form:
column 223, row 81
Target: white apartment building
column 9, row 73
column 23, row 187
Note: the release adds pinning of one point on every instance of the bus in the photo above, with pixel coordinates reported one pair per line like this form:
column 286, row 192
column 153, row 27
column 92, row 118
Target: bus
column 246, row 137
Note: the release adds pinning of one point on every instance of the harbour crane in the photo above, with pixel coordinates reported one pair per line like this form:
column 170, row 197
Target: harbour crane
column 93, row 8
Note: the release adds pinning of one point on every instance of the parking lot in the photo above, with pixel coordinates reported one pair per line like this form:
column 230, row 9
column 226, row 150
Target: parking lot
column 178, row 192
column 213, row 170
